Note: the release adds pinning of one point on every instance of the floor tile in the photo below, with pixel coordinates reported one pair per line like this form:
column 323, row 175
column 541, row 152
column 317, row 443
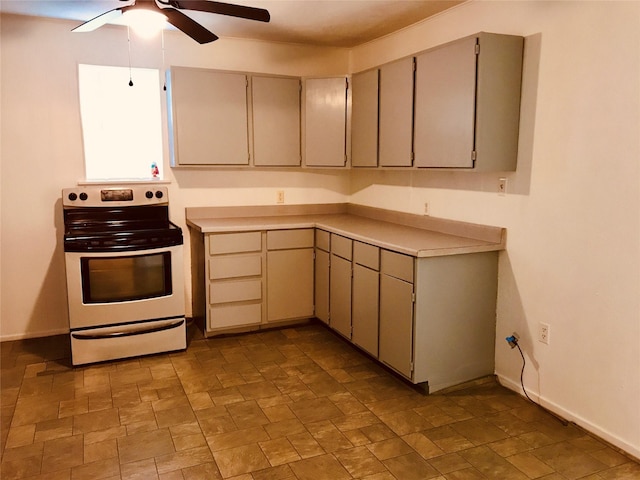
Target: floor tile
column 62, row 453
column 239, row 460
column 360, row 462
column 568, row 460
column 410, row 467
column 293, row 403
column 145, row 445
column 386, row 449
column 279, row 451
column 324, row 467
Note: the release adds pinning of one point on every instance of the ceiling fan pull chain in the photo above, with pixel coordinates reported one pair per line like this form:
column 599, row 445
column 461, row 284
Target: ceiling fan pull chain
column 164, row 74
column 129, row 45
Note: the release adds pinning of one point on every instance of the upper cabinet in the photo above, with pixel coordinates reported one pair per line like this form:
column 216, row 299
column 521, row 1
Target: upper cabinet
column 396, row 113
column 325, row 122
column 467, row 104
column 216, row 122
column 209, row 116
column 455, row 106
column 276, row 121
column 364, row 119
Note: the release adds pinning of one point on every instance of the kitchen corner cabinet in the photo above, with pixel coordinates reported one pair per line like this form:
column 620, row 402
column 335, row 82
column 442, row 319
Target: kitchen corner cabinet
column 321, row 275
column 467, row 103
column 430, row 319
column 208, row 116
column 325, row 117
column 276, row 121
column 396, row 113
column 364, row 119
column 290, row 274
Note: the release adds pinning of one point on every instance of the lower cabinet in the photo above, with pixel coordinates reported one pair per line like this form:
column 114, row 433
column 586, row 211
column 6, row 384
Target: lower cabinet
column 455, row 318
column 431, row 320
column 234, row 273
column 365, row 297
column 252, row 278
column 340, row 285
column 321, row 275
column 289, row 274
column 396, row 313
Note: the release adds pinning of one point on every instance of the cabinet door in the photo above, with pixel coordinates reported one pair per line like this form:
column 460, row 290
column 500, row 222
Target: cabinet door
column 365, row 308
column 325, row 122
column 276, row 121
column 396, row 113
column 396, row 324
column 209, row 117
column 340, row 295
column 364, row 119
column 322, row 286
column 289, row 284
column 445, row 105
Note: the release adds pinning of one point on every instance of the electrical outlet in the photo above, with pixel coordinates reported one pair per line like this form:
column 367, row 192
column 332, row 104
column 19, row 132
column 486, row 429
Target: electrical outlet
column 280, row 196
column 426, row 208
column 544, row 333
column 502, row 186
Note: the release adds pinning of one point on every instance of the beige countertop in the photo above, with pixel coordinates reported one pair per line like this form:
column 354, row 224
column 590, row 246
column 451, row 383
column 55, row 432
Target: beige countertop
column 413, row 235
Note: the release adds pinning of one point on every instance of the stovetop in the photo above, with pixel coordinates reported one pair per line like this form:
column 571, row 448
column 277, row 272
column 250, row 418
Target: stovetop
column 102, row 220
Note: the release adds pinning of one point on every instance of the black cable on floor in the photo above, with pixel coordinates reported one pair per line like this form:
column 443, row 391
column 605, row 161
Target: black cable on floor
column 513, row 342
column 524, row 362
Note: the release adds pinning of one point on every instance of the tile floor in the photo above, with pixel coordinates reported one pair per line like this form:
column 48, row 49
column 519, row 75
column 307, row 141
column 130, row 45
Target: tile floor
column 295, row 403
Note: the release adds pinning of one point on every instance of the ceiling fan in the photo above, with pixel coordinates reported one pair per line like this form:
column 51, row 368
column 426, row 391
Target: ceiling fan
column 171, row 9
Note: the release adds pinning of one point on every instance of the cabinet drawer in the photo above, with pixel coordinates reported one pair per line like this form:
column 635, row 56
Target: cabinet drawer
column 233, row 266
column 397, row 265
column 366, row 255
column 341, row 246
column 235, row 242
column 288, row 239
column 235, row 291
column 221, row 316
column 323, row 240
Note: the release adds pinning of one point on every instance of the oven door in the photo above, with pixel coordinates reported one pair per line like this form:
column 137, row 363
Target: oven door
column 114, row 288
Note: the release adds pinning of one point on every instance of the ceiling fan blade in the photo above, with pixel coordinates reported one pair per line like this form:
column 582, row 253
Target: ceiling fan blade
column 241, row 11
column 189, row 26
column 98, row 21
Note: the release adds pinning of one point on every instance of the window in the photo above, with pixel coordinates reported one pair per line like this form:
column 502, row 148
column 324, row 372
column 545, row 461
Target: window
column 121, row 124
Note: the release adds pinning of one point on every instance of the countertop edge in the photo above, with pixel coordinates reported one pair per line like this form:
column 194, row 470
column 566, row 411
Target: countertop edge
column 296, row 219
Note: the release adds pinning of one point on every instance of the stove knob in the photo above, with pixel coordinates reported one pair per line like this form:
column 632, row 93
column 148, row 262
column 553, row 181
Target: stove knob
column 73, row 197
column 83, row 196
column 149, row 194
column 159, row 194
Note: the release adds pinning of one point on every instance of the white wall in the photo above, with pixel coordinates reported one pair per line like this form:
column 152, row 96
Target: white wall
column 41, row 149
column 573, row 211
column 572, row 214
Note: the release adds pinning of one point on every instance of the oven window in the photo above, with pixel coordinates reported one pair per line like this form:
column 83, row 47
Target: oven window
column 120, row 279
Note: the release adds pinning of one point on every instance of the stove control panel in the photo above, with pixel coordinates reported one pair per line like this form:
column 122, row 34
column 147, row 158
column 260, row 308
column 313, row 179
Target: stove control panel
column 96, row 196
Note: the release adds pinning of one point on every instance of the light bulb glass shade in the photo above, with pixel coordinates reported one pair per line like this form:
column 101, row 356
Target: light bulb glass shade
column 144, row 22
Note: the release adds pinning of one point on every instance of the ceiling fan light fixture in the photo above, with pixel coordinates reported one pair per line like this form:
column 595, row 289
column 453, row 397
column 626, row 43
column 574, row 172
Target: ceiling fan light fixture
column 145, row 22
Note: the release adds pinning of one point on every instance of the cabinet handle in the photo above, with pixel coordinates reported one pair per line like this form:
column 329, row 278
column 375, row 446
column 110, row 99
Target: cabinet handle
column 127, row 333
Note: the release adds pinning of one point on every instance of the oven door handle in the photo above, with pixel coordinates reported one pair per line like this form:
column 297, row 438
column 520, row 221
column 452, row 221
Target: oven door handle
column 127, row 333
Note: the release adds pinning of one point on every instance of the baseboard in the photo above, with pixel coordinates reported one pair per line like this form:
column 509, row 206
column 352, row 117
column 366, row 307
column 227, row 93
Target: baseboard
column 29, row 335
column 631, row 450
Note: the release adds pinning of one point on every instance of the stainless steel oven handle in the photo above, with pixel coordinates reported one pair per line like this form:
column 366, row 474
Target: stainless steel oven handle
column 127, row 333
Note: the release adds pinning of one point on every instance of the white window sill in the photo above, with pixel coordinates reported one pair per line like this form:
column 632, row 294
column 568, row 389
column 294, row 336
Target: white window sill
column 123, row 182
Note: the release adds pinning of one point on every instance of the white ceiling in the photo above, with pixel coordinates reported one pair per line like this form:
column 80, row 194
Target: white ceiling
column 338, row 23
